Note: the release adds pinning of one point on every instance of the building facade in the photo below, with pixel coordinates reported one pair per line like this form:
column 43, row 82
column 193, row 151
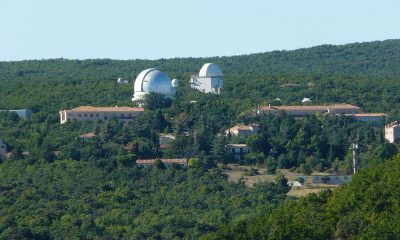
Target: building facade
column 369, row 117
column 209, row 80
column 392, row 132
column 123, row 114
column 238, row 150
column 301, row 111
column 242, row 130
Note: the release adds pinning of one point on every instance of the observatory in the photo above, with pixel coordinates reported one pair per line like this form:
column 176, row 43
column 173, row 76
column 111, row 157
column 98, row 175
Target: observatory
column 156, row 81
column 209, row 80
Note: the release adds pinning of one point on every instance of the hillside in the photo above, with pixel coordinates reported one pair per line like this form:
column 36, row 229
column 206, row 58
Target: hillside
column 366, row 74
column 57, row 184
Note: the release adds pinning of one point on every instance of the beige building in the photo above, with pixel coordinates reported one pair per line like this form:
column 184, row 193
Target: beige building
column 392, row 132
column 242, row 130
column 300, row 111
column 123, row 114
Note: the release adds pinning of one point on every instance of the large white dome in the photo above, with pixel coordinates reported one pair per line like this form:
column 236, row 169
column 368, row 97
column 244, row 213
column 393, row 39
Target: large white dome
column 210, row 70
column 153, row 80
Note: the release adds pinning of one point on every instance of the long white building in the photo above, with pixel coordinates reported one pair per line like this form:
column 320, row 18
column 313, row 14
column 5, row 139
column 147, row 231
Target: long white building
column 123, row 114
column 209, row 80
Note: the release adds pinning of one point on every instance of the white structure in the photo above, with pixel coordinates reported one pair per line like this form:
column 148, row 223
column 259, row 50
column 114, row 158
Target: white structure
column 153, row 80
column 123, row 114
column 392, row 132
column 120, row 80
column 209, row 80
column 306, row 100
column 238, row 150
column 3, row 150
column 294, row 184
column 242, row 130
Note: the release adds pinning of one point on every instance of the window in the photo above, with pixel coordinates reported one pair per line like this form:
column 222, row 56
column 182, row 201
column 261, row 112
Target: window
column 130, row 115
column 91, row 115
column 85, row 115
column 79, row 115
column 97, row 115
column 122, row 115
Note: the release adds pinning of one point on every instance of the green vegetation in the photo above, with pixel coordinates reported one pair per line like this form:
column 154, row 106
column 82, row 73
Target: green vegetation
column 58, row 185
column 367, row 208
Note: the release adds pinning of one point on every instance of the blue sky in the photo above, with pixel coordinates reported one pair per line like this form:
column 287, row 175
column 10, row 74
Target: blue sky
column 152, row 29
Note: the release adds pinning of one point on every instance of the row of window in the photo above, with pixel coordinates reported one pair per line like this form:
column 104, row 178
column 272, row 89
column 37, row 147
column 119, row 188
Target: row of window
column 97, row 115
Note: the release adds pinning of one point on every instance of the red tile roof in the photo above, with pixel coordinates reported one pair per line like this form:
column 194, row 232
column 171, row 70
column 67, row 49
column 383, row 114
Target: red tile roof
column 105, row 109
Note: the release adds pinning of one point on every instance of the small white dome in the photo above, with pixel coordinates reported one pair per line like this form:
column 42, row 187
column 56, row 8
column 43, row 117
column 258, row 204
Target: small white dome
column 210, row 70
column 306, row 100
column 175, row 83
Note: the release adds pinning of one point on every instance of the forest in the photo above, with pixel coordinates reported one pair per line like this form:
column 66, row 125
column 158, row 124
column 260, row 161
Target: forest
column 55, row 185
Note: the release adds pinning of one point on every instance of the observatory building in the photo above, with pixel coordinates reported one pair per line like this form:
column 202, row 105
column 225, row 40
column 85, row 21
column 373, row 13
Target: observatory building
column 156, row 81
column 209, row 80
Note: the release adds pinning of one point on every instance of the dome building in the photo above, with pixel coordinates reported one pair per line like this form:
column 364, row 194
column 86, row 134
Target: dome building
column 153, row 80
column 209, row 80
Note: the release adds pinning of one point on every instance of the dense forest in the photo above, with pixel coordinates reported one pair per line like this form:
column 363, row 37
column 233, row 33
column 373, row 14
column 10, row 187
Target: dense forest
column 57, row 185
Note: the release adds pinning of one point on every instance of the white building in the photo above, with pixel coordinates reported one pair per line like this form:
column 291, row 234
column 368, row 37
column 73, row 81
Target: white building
column 153, row 80
column 242, row 130
column 124, row 114
column 238, row 150
column 3, row 150
column 392, row 132
column 209, row 80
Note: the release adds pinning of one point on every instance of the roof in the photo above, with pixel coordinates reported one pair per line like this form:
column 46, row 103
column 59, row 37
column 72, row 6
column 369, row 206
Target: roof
column 210, row 70
column 368, row 115
column 105, row 109
column 164, row 160
column 242, row 127
column 88, row 135
column 237, row 145
column 392, row 124
column 310, row 108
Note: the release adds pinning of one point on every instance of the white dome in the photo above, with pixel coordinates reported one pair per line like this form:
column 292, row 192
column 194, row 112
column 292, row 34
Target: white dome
column 175, row 83
column 153, row 80
column 210, row 70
